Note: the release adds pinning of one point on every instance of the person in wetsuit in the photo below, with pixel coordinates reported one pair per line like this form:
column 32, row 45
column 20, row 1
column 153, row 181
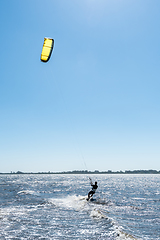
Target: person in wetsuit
column 94, row 188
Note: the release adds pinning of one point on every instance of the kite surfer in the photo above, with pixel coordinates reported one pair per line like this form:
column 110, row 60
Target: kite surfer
column 94, row 188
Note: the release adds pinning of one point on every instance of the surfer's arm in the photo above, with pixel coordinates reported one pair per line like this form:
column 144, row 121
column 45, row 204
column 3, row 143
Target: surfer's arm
column 91, row 181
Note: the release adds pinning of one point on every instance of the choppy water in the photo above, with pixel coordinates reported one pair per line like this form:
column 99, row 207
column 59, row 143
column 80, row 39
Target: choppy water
column 55, row 207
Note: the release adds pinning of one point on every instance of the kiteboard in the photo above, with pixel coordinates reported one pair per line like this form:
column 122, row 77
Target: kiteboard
column 91, row 199
column 98, row 201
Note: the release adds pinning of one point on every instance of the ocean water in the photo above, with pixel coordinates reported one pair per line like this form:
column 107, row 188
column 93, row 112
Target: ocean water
column 55, row 207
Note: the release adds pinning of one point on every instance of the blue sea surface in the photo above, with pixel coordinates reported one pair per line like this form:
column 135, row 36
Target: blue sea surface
column 48, row 206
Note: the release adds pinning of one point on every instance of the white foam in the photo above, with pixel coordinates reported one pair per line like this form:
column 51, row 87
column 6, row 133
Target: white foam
column 73, row 202
column 30, row 192
column 97, row 214
column 124, row 235
column 119, row 234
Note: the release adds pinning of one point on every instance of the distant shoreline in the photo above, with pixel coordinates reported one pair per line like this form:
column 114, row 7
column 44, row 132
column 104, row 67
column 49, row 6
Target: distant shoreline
column 90, row 172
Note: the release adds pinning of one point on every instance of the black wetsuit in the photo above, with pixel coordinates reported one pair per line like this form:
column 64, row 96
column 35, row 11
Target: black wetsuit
column 94, row 187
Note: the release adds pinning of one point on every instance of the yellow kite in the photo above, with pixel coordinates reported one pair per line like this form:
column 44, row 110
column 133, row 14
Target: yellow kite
column 47, row 49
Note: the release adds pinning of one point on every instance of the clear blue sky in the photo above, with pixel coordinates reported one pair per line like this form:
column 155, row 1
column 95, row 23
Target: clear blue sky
column 96, row 103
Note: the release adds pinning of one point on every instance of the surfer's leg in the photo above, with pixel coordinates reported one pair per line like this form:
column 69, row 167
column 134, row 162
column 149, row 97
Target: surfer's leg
column 90, row 194
column 88, row 197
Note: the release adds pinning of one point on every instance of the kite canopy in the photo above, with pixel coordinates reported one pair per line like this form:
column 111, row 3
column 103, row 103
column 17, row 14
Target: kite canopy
column 47, row 49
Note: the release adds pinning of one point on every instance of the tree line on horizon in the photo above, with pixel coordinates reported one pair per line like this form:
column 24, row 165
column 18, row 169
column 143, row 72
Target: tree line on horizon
column 92, row 172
